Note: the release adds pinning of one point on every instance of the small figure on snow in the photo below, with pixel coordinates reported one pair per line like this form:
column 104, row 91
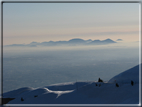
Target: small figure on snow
column 100, row 80
column 96, row 84
column 117, row 85
column 22, row 99
column 99, row 85
column 132, row 83
column 36, row 96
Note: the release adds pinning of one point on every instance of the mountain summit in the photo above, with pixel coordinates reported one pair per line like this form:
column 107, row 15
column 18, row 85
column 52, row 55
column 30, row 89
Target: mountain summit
column 76, row 40
column 108, row 41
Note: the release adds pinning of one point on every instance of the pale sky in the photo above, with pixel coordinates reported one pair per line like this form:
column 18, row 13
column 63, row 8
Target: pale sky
column 28, row 22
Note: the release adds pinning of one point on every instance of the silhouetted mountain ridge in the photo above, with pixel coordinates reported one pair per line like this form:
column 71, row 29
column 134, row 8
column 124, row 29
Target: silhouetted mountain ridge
column 71, row 42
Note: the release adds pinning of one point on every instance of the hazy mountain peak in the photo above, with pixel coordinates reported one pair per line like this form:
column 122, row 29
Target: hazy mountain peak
column 76, row 39
column 97, row 40
column 33, row 42
column 109, row 41
column 119, row 40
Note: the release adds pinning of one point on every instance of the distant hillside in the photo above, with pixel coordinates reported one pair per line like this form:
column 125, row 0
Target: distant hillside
column 71, row 42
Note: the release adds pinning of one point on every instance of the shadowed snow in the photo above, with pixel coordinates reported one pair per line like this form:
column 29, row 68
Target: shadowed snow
column 83, row 92
column 127, row 76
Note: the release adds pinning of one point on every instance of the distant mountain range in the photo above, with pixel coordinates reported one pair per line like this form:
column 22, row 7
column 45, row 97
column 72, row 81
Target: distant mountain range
column 71, row 42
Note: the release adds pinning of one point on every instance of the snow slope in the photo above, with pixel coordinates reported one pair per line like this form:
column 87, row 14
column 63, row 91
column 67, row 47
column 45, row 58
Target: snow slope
column 82, row 92
column 127, row 76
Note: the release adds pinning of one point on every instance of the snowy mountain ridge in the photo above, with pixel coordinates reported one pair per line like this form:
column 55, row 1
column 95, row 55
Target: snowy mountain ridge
column 127, row 76
column 82, row 92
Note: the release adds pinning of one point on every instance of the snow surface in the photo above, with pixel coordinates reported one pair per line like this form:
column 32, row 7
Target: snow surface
column 127, row 76
column 83, row 92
